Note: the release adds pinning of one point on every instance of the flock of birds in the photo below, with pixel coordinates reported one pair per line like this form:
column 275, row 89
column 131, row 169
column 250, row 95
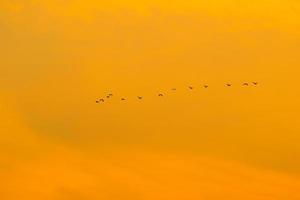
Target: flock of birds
column 102, row 100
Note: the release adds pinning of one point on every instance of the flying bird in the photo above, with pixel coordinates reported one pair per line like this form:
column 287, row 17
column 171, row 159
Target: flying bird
column 160, row 95
column 173, row 89
column 228, row 84
column 255, row 83
column 205, row 86
column 123, row 99
column 191, row 87
column 245, row 84
column 139, row 97
column 110, row 95
column 100, row 100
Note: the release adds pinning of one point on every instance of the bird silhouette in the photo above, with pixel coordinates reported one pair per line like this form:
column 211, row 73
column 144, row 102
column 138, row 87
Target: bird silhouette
column 160, row 95
column 205, row 86
column 228, row 84
column 139, row 97
column 245, row 84
column 191, row 87
column 255, row 83
column 123, row 99
column 100, row 100
column 173, row 89
column 110, row 95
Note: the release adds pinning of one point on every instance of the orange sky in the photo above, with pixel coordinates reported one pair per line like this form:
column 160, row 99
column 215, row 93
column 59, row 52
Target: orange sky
column 57, row 57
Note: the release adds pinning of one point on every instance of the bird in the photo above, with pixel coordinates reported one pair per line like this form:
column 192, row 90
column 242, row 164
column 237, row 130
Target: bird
column 245, row 84
column 255, row 83
column 110, row 95
column 205, row 86
column 139, row 97
column 123, row 99
column 173, row 89
column 228, row 84
column 100, row 100
column 160, row 95
column 191, row 87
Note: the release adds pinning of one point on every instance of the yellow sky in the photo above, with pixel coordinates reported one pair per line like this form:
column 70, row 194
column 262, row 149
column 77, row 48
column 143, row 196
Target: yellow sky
column 57, row 57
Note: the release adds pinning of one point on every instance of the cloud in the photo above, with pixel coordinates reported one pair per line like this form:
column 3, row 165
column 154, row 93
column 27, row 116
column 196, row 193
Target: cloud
column 144, row 175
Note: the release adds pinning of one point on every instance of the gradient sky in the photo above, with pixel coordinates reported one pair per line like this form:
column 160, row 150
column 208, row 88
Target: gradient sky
column 57, row 57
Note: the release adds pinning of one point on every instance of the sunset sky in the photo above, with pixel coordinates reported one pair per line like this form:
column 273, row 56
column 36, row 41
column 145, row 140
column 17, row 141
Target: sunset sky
column 57, row 57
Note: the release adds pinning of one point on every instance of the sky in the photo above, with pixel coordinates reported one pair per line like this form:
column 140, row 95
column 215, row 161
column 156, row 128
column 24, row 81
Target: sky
column 58, row 57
